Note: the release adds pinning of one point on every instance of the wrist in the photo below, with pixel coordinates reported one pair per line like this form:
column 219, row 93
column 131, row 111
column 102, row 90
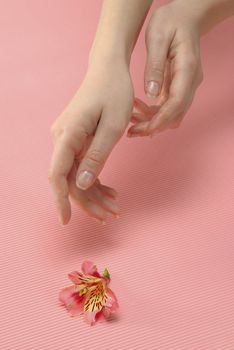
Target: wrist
column 207, row 13
column 106, row 56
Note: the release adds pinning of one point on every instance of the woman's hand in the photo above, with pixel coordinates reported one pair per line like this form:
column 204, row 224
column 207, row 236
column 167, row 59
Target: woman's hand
column 83, row 137
column 173, row 69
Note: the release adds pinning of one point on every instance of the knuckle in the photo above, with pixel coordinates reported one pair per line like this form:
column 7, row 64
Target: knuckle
column 156, row 69
column 192, row 63
column 51, row 176
column 53, row 130
column 71, row 134
column 95, row 156
column 155, row 37
column 68, row 134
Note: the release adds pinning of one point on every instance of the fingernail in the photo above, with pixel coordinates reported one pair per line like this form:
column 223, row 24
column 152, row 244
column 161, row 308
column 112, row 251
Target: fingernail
column 152, row 88
column 84, row 180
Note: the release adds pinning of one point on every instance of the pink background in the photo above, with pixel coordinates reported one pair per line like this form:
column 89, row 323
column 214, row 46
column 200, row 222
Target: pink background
column 171, row 254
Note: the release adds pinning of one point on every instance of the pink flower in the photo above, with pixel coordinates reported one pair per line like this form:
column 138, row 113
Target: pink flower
column 89, row 294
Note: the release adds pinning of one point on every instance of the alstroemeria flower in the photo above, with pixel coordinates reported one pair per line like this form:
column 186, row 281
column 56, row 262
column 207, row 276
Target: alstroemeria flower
column 89, row 294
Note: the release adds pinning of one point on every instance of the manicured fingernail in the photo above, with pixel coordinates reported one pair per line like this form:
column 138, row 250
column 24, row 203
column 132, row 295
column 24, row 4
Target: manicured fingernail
column 152, row 88
column 84, row 180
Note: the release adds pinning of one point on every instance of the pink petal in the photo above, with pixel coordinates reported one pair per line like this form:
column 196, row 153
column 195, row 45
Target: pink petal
column 90, row 317
column 88, row 268
column 100, row 316
column 71, row 299
column 66, row 294
column 74, row 277
column 76, row 308
column 96, row 274
column 112, row 302
column 106, row 314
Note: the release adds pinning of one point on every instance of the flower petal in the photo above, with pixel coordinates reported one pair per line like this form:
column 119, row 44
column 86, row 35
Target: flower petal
column 88, row 268
column 106, row 314
column 95, row 300
column 75, row 308
column 102, row 316
column 66, row 294
column 90, row 317
column 111, row 302
column 71, row 299
column 75, row 276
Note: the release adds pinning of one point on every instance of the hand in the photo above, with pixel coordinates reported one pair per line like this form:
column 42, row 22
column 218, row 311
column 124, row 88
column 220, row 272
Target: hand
column 83, row 137
column 173, row 69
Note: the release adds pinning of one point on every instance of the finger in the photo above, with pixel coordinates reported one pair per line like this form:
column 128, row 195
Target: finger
column 90, row 207
column 138, row 117
column 94, row 199
column 108, row 191
column 60, row 166
column 141, row 122
column 166, row 85
column 157, row 50
column 175, row 122
column 82, row 197
column 107, row 135
column 140, row 127
column 106, row 203
column 181, row 93
column 141, row 106
column 146, row 112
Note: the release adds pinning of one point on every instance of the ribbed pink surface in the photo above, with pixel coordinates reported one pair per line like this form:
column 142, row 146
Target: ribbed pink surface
column 171, row 254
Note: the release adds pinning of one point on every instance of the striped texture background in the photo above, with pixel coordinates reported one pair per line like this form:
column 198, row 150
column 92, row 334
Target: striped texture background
column 171, row 254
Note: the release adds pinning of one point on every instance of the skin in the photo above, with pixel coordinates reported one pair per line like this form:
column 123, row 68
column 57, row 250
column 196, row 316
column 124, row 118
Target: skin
column 95, row 119
column 85, row 133
column 173, row 68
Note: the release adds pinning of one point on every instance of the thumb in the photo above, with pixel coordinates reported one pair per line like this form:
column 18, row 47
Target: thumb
column 96, row 155
column 157, row 50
